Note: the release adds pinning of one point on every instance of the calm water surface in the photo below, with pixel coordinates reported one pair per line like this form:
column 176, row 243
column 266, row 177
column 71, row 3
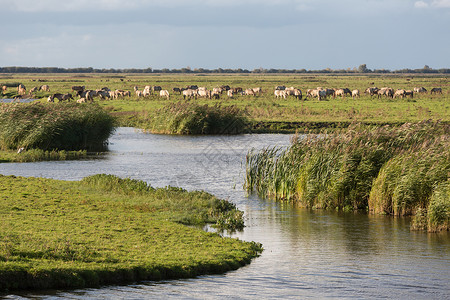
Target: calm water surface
column 307, row 254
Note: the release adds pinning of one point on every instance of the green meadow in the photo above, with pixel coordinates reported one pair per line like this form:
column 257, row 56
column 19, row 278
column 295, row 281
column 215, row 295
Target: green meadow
column 106, row 230
column 264, row 113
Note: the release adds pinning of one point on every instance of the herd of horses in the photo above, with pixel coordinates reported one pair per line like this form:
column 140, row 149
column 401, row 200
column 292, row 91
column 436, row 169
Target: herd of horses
column 194, row 91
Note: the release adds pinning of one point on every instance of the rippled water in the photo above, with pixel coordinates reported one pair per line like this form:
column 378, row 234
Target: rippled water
column 8, row 100
column 308, row 254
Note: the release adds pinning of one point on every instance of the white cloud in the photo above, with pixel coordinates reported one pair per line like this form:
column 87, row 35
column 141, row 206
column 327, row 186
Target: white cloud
column 432, row 4
column 441, row 3
column 420, row 4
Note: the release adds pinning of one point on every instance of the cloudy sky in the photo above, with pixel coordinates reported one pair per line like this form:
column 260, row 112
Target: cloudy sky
column 290, row 34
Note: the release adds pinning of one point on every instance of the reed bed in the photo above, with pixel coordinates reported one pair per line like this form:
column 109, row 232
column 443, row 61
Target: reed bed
column 34, row 155
column 193, row 118
column 54, row 126
column 386, row 170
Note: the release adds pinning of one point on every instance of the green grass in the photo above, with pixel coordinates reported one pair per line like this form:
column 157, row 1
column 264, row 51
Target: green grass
column 106, row 230
column 192, row 118
column 386, row 170
column 34, row 155
column 265, row 112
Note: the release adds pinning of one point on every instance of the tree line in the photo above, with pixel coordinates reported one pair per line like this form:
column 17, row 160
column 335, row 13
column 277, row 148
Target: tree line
column 362, row 69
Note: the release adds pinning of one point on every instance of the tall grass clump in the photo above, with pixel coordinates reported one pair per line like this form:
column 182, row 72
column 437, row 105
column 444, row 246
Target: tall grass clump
column 389, row 170
column 34, row 155
column 54, row 126
column 438, row 214
column 193, row 118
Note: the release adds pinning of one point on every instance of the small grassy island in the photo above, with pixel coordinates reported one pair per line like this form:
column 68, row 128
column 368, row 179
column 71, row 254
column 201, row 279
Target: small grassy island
column 106, row 230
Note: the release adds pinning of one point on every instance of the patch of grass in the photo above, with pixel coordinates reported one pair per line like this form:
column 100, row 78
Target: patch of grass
column 107, row 230
column 34, row 155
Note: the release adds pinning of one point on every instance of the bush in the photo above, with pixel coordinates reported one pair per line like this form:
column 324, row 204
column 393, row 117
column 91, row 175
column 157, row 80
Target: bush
column 54, row 126
column 192, row 118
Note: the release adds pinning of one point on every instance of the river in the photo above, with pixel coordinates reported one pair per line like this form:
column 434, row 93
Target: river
column 308, row 254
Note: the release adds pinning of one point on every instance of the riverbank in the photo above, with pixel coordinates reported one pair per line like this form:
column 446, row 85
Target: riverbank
column 34, row 155
column 105, row 230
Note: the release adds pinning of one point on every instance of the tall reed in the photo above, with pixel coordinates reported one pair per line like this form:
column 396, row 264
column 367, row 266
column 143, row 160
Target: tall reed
column 54, row 126
column 391, row 170
column 192, row 118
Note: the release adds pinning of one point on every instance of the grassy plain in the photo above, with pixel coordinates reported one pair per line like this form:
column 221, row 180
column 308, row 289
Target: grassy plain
column 265, row 112
column 105, row 230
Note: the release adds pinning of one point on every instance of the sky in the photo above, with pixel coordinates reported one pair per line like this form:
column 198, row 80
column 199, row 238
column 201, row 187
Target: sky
column 210, row 34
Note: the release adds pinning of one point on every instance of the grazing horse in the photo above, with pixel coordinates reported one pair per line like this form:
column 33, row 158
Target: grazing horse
column 190, row 93
column 436, row 91
column 280, row 93
column 164, row 93
column 420, row 90
column 60, row 97
column 176, row 90
column 400, row 93
column 44, row 88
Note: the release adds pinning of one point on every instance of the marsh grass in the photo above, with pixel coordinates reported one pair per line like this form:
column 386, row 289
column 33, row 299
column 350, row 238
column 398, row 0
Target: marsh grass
column 192, row 118
column 388, row 170
column 34, row 155
column 54, row 126
column 107, row 230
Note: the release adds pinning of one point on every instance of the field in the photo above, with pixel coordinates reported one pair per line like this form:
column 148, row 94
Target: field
column 264, row 111
column 105, row 230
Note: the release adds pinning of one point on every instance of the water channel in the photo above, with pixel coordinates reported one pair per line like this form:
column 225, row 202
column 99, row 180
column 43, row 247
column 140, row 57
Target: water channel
column 308, row 254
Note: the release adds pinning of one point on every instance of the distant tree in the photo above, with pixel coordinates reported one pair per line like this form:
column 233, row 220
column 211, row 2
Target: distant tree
column 363, row 69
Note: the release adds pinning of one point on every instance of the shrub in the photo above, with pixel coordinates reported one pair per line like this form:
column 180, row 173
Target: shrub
column 192, row 118
column 54, row 126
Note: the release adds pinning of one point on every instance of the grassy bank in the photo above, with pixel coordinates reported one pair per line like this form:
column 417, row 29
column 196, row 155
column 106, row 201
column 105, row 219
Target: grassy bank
column 106, row 230
column 34, row 155
column 388, row 170
column 54, row 126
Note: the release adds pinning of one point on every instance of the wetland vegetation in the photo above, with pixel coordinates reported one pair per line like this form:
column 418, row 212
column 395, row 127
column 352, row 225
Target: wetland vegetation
column 41, row 131
column 377, row 154
column 387, row 170
column 106, row 230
